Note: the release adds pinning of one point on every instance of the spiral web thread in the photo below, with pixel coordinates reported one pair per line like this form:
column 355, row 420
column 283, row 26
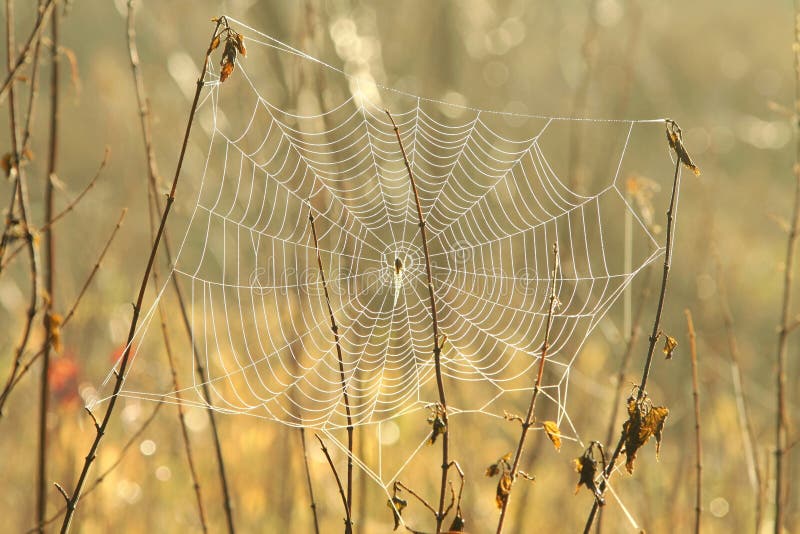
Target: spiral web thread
column 494, row 204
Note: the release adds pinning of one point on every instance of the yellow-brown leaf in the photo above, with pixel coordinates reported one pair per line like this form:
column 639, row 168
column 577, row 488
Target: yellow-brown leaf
column 553, row 432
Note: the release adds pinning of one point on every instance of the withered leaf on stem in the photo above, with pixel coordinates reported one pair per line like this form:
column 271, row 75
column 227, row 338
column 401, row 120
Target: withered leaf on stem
column 553, row 432
column 458, row 524
column 644, row 421
column 503, row 489
column 676, row 144
column 670, row 344
column 228, row 62
column 586, row 467
column 438, row 426
column 54, row 321
column 502, row 465
column 240, row 45
column 397, row 505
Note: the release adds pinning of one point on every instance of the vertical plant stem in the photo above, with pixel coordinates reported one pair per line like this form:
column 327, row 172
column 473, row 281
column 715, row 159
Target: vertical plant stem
column 154, row 211
column 698, row 443
column 529, row 418
column 653, row 336
column 49, row 274
column 15, row 64
column 349, row 498
column 754, row 468
column 435, row 325
column 308, row 480
column 781, row 423
column 21, row 192
column 100, row 428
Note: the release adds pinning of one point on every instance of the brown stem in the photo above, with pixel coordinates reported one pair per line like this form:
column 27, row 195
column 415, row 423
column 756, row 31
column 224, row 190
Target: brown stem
column 626, row 358
column 754, row 467
column 120, row 374
column 347, row 523
column 154, row 178
column 14, row 66
column 698, row 442
column 781, row 422
column 49, row 275
column 529, row 418
column 33, row 359
column 34, row 89
column 102, row 476
column 154, row 211
column 21, row 191
column 653, row 336
column 349, row 500
column 435, row 325
column 308, row 480
column 67, row 209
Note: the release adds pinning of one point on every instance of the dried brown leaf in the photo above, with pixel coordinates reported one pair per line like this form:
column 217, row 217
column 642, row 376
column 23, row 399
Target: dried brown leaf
column 503, row 489
column 670, row 344
column 54, row 321
column 215, row 43
column 240, row 45
column 644, row 421
column 458, row 524
column 396, row 504
column 553, row 432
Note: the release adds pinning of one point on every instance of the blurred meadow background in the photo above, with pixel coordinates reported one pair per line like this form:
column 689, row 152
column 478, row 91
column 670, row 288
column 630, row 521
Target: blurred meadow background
column 723, row 70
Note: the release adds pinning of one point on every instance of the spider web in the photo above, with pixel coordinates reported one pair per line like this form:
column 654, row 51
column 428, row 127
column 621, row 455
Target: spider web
column 494, row 198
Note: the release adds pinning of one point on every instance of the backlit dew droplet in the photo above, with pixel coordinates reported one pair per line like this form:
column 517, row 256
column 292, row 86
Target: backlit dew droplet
column 148, row 447
column 163, row 473
column 719, row 507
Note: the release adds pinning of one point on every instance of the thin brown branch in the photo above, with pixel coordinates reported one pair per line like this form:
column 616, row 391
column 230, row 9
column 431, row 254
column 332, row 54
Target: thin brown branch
column 349, row 501
column 154, row 213
column 308, row 480
column 674, row 129
column 437, row 349
column 529, row 418
column 635, row 332
column 21, row 189
column 134, row 439
column 33, row 92
column 754, row 468
column 66, row 210
column 50, row 268
column 33, row 359
column 414, row 494
column 781, row 417
column 698, row 504
column 338, row 482
column 154, row 180
column 14, row 66
column 120, row 377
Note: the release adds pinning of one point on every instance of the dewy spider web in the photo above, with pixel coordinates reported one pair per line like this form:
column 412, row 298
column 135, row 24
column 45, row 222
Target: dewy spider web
column 494, row 202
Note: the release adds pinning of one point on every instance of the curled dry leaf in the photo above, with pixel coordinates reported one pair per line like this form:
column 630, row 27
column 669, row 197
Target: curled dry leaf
column 215, row 43
column 396, row 504
column 553, row 432
column 644, row 421
column 54, row 321
column 502, row 465
column 458, row 524
column 670, row 344
column 5, row 164
column 438, row 425
column 503, row 489
column 586, row 467
column 240, row 45
column 228, row 61
column 676, row 144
